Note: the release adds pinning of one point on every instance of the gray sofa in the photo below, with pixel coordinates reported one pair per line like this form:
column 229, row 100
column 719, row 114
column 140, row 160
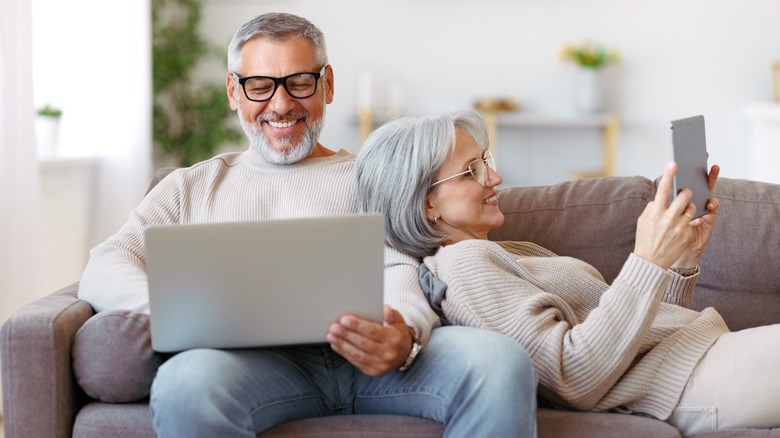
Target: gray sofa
column 68, row 372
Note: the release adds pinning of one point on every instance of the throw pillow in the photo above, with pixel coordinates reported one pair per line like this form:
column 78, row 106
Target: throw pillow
column 113, row 360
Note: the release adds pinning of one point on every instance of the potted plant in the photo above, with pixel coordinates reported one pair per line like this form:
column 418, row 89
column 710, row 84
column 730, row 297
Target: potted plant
column 590, row 59
column 192, row 119
column 47, row 129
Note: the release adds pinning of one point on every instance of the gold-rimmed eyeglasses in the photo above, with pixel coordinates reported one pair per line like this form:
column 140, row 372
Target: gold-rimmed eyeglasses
column 477, row 168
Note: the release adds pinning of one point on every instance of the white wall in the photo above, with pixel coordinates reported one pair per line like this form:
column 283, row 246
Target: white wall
column 680, row 58
column 92, row 59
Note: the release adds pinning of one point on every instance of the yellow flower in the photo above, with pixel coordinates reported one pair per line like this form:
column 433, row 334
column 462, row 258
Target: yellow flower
column 589, row 55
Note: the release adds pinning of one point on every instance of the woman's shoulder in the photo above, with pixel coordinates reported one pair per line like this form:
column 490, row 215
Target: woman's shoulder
column 525, row 249
column 480, row 246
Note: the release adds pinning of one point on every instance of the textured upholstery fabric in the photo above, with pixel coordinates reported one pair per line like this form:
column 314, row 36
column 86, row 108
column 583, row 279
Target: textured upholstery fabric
column 113, row 358
column 127, row 420
column 40, row 394
column 742, row 275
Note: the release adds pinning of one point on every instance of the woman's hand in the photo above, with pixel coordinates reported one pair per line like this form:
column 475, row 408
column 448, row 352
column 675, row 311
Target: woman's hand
column 702, row 227
column 665, row 232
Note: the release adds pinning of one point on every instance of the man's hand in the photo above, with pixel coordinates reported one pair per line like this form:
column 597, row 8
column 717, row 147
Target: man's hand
column 372, row 347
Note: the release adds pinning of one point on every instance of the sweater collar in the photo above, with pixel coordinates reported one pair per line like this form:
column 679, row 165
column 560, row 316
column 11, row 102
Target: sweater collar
column 251, row 157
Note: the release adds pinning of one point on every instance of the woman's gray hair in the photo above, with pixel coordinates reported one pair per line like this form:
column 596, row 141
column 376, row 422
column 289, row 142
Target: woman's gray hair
column 276, row 27
column 396, row 167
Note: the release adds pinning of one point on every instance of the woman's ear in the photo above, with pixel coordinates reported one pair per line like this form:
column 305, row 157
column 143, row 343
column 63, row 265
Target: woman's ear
column 430, row 209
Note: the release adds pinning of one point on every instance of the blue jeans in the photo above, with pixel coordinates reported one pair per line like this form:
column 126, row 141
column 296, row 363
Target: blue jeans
column 475, row 382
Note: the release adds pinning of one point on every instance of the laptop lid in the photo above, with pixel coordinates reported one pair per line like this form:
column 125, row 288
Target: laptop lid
column 262, row 283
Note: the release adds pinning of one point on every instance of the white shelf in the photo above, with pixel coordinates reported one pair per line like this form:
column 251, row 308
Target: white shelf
column 530, row 120
column 607, row 123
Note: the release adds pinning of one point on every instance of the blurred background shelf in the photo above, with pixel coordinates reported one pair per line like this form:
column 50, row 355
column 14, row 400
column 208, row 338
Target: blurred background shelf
column 606, row 124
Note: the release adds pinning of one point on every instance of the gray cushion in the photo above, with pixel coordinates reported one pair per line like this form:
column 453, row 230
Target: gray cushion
column 744, row 281
column 113, row 360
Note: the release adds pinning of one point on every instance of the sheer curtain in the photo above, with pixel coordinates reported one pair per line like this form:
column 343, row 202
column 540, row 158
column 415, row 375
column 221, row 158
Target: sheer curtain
column 20, row 243
column 19, row 210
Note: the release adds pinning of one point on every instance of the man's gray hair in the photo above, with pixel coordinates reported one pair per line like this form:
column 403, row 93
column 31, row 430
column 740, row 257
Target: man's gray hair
column 276, row 27
column 396, row 167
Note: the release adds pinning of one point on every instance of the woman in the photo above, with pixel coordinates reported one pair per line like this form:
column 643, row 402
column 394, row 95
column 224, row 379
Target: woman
column 632, row 346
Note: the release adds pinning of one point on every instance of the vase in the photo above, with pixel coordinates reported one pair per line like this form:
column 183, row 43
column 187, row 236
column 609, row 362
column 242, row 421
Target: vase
column 47, row 135
column 589, row 91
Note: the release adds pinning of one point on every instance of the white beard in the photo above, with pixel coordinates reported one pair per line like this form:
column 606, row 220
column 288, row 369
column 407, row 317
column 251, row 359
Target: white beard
column 289, row 153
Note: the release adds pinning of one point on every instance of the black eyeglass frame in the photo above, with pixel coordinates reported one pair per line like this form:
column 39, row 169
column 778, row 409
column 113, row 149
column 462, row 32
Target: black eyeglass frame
column 317, row 75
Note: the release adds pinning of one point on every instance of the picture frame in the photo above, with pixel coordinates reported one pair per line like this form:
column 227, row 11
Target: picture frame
column 774, row 75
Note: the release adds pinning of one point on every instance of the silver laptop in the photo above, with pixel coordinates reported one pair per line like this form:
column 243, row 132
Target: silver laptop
column 264, row 283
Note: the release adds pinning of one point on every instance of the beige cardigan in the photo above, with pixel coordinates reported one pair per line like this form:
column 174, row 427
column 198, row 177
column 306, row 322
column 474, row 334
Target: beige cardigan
column 628, row 347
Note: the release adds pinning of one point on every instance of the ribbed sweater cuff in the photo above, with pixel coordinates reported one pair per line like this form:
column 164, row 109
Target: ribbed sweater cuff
column 642, row 275
column 680, row 291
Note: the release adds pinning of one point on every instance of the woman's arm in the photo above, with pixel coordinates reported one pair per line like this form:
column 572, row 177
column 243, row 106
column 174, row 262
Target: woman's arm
column 581, row 339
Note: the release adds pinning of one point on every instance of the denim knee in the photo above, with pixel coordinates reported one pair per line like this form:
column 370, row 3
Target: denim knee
column 508, row 363
column 189, row 399
column 492, row 377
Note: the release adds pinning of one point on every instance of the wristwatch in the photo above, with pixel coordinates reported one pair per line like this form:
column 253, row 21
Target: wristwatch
column 416, row 347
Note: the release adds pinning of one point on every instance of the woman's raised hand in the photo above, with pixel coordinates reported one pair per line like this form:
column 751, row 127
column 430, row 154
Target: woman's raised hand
column 666, row 233
column 702, row 227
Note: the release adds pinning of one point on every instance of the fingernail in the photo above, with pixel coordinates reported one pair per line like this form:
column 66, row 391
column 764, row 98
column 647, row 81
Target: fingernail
column 670, row 165
column 345, row 322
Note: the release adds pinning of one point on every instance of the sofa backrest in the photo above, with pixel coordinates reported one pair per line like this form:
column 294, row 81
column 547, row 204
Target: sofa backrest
column 595, row 220
column 742, row 275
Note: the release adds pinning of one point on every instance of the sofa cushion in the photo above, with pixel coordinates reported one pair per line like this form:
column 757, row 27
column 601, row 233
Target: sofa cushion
column 740, row 276
column 113, row 360
column 591, row 219
column 134, row 421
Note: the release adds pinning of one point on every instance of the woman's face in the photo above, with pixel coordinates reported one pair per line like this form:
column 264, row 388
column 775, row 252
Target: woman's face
column 463, row 208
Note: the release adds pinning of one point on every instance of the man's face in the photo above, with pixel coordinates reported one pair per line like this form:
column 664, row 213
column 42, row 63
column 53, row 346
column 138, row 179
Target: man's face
column 283, row 129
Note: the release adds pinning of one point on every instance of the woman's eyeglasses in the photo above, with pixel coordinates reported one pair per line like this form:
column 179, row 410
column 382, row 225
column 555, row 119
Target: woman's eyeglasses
column 477, row 168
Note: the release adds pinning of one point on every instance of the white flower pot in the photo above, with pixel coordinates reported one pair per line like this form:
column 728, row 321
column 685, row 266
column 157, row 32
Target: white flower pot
column 47, row 135
column 589, row 91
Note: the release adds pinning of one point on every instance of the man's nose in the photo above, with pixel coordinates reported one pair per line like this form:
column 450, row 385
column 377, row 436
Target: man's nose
column 281, row 102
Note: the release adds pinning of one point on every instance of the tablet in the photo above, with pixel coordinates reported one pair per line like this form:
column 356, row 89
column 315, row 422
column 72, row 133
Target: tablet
column 689, row 149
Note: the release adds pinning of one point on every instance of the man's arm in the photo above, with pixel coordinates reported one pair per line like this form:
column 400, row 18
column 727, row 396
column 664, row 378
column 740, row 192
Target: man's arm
column 115, row 276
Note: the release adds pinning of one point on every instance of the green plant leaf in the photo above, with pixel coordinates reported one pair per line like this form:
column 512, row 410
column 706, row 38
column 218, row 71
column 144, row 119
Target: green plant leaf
column 190, row 120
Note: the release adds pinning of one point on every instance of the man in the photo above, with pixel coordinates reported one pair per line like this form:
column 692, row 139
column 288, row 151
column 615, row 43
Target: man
column 475, row 382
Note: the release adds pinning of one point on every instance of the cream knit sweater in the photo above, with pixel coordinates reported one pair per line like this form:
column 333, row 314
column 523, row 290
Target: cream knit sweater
column 628, row 347
column 241, row 187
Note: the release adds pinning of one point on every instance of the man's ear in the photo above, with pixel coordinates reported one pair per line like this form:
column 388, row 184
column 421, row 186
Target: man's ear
column 231, row 85
column 329, row 84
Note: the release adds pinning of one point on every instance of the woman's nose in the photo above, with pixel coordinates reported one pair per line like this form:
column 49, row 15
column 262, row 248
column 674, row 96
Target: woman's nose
column 494, row 178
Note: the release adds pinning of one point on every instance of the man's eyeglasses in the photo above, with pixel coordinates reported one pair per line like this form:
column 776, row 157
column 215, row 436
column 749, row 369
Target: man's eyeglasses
column 477, row 168
column 298, row 85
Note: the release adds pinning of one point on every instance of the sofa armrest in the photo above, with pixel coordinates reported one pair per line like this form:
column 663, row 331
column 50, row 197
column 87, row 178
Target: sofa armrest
column 40, row 394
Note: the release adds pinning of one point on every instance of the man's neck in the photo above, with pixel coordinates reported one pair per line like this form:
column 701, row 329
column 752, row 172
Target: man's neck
column 321, row 151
